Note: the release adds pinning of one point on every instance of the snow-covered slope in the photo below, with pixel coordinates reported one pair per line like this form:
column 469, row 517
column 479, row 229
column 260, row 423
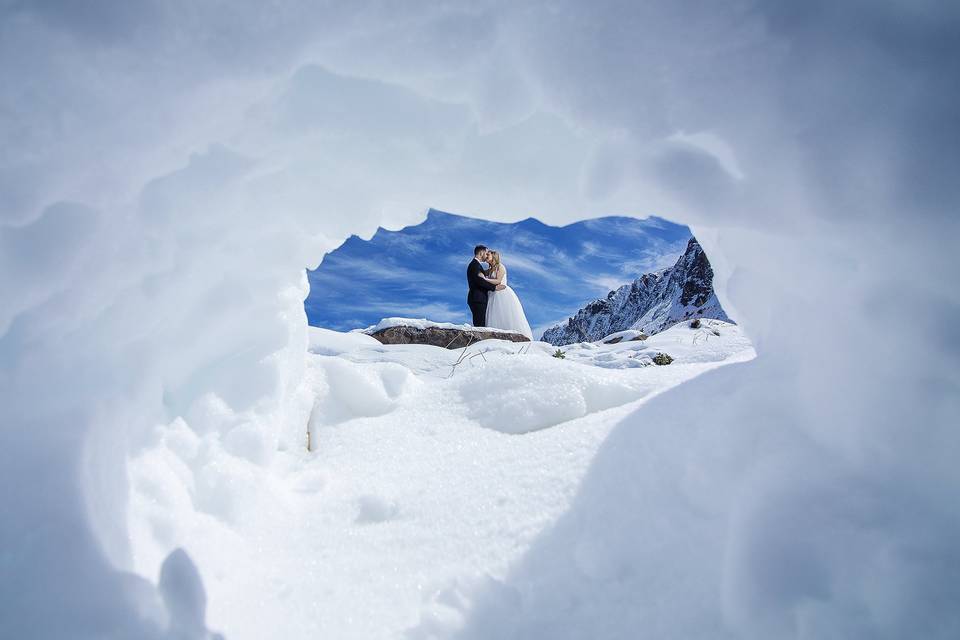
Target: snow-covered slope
column 418, row 481
column 712, row 341
column 651, row 303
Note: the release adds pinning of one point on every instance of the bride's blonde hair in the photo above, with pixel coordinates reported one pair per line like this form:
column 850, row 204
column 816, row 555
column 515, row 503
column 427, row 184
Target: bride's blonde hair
column 494, row 263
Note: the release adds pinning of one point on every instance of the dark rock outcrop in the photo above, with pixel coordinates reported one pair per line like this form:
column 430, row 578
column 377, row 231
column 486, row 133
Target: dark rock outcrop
column 662, row 359
column 441, row 336
column 619, row 339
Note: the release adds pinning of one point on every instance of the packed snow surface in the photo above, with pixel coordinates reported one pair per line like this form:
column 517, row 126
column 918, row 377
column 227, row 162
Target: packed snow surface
column 423, row 477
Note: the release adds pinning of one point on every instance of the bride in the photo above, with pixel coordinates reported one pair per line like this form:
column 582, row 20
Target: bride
column 504, row 310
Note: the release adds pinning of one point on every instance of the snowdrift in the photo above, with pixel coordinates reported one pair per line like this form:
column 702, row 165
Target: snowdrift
column 421, row 474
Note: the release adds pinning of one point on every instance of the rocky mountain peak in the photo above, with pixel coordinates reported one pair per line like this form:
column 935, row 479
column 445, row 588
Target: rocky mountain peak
column 651, row 303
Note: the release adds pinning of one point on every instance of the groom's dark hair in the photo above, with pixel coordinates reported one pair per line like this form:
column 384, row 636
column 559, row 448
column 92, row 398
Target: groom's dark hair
column 477, row 249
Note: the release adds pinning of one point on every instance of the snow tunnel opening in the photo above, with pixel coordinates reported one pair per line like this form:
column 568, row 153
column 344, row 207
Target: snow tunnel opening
column 238, row 380
column 367, row 445
column 605, row 296
column 378, row 444
column 152, row 313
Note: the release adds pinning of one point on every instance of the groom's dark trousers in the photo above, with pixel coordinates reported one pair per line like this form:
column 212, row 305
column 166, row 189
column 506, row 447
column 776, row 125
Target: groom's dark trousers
column 477, row 295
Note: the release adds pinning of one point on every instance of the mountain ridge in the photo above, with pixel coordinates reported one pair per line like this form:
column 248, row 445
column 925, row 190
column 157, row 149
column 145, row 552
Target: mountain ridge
column 651, row 303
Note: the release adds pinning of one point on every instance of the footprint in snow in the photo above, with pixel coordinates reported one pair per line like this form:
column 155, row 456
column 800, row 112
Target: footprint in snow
column 373, row 509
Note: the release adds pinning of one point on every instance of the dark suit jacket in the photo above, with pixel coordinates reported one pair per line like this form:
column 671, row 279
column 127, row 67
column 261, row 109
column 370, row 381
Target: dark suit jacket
column 478, row 286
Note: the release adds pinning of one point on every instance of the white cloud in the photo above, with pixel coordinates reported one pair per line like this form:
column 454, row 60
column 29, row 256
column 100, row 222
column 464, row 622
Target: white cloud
column 607, row 282
column 434, row 311
column 377, row 269
column 559, row 271
column 589, row 249
column 657, row 256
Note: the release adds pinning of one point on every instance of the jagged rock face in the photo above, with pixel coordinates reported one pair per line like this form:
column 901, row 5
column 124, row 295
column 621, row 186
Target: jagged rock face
column 651, row 303
column 441, row 337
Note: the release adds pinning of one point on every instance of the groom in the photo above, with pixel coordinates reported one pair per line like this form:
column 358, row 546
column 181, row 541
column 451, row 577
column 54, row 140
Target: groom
column 479, row 288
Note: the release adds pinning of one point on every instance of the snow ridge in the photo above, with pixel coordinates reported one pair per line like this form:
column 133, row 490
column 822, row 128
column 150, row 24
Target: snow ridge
column 651, row 303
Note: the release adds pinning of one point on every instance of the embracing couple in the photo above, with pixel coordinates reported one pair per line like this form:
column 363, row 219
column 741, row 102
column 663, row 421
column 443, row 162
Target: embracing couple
column 491, row 301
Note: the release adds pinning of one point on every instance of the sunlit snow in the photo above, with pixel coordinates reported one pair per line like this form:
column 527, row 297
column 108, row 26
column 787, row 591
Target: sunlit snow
column 414, row 484
column 170, row 170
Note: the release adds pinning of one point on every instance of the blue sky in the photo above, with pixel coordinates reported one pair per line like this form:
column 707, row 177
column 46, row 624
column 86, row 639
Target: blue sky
column 419, row 271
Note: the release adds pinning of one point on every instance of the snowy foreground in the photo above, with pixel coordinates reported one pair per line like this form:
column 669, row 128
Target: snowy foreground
column 418, row 491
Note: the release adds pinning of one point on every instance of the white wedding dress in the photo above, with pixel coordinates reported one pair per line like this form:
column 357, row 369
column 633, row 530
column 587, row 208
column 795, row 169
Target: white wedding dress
column 504, row 311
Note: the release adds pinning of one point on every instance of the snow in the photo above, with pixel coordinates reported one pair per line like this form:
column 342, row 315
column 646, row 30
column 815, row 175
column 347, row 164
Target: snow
column 167, row 175
column 629, row 334
column 713, row 341
column 183, row 595
column 325, row 342
column 419, row 479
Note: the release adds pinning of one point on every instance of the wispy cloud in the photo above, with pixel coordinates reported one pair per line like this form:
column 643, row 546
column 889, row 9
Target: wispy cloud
column 404, row 243
column 643, row 231
column 607, row 282
column 523, row 241
column 420, row 309
column 380, row 268
column 437, row 311
column 552, row 271
column 657, row 256
column 588, row 249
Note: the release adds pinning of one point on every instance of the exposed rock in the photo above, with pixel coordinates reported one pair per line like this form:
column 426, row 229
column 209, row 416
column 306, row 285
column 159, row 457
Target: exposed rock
column 442, row 337
column 631, row 335
column 662, row 359
column 651, row 303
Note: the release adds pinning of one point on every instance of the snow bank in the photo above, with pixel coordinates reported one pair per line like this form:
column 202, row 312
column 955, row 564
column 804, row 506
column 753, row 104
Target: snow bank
column 620, row 336
column 415, row 479
column 529, row 393
column 331, row 343
column 539, row 395
column 163, row 186
column 713, row 341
